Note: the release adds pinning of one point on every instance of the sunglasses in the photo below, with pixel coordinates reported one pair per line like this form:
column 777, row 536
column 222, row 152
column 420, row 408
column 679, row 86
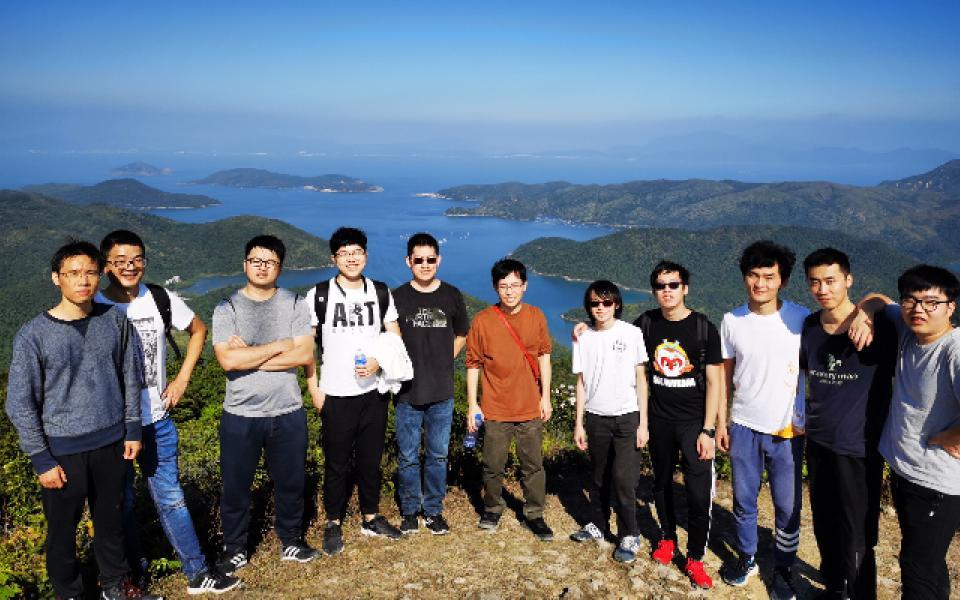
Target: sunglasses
column 431, row 260
column 605, row 303
column 673, row 285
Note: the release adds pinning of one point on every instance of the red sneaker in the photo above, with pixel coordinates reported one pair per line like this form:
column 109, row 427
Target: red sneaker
column 665, row 551
column 697, row 575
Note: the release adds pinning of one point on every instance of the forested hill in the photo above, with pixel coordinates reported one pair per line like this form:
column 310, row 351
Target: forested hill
column 712, row 256
column 35, row 226
column 260, row 178
column 922, row 220
column 127, row 193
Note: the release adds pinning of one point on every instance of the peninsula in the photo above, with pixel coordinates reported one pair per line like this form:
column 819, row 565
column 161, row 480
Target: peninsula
column 260, row 178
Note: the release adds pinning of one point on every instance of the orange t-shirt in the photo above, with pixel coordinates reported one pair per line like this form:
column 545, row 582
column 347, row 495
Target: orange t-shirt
column 509, row 388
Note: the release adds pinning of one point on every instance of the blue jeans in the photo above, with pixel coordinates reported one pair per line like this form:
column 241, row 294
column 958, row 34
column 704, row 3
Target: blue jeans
column 434, row 419
column 158, row 462
column 750, row 451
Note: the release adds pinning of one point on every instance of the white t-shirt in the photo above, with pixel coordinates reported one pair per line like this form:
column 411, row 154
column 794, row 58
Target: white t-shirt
column 143, row 314
column 352, row 323
column 768, row 390
column 608, row 359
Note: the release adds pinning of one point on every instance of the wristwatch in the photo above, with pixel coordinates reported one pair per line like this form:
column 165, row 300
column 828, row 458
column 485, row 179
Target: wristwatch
column 709, row 432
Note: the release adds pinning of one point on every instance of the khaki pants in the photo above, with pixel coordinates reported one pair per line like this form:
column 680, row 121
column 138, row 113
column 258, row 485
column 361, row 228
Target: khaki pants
column 496, row 448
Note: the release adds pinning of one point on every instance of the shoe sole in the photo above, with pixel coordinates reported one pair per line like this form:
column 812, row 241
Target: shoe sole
column 488, row 526
column 746, row 579
column 199, row 591
column 541, row 537
column 444, row 532
column 299, row 560
column 370, row 533
column 409, row 531
column 625, row 561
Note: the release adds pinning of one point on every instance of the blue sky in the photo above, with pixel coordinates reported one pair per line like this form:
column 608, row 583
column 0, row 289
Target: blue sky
column 505, row 75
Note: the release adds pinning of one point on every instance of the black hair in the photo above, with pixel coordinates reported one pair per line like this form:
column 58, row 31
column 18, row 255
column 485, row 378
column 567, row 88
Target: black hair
column 120, row 237
column 826, row 257
column 503, row 267
column 75, row 248
column 605, row 290
column 422, row 239
column 764, row 253
column 347, row 236
column 267, row 242
column 926, row 277
column 665, row 266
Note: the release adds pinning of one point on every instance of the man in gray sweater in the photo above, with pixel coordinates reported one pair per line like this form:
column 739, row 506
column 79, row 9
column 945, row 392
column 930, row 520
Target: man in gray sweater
column 74, row 398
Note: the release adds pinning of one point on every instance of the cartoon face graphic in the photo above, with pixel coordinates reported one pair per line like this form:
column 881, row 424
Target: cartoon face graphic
column 670, row 359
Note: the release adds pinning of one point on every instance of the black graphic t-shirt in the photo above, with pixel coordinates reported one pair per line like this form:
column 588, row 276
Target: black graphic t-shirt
column 674, row 352
column 429, row 322
column 849, row 391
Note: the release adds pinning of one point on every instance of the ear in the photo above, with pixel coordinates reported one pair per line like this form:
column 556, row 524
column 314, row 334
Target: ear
column 849, row 280
column 409, row 263
column 55, row 278
column 439, row 260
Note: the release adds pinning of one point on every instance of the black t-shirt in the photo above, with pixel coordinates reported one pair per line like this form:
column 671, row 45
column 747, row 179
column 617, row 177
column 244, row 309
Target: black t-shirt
column 429, row 322
column 674, row 352
column 849, row 391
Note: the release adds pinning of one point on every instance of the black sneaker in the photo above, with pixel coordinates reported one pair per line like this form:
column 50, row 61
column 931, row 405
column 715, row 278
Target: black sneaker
column 126, row 591
column 783, row 585
column 489, row 520
column 739, row 573
column 300, row 552
column 379, row 526
column 540, row 529
column 211, row 582
column 409, row 524
column 332, row 538
column 230, row 562
column 437, row 525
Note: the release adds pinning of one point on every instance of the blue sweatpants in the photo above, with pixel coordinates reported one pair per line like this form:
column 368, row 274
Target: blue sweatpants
column 750, row 452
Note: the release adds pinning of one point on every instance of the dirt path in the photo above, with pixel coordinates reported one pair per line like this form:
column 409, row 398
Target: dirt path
column 511, row 563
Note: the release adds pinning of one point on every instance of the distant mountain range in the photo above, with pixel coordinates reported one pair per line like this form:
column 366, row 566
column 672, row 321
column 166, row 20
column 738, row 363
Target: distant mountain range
column 260, row 178
column 126, row 193
column 139, row 169
column 919, row 215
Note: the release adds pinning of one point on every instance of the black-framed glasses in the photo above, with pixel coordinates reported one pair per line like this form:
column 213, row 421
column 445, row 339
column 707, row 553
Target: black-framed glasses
column 673, row 285
column 256, row 263
column 606, row 303
column 137, row 261
column 908, row 303
column 430, row 260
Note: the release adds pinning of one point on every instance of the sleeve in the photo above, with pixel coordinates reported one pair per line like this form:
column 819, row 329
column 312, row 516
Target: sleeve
column 576, row 367
column 391, row 316
column 544, row 345
column 461, row 322
column 301, row 324
column 474, row 359
column 893, row 314
column 132, row 369
column 803, row 350
column 25, row 403
column 224, row 323
column 310, row 299
column 181, row 315
column 714, row 355
column 642, row 357
column 727, row 346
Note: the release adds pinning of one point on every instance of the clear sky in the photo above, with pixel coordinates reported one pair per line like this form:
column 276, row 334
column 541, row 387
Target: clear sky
column 521, row 75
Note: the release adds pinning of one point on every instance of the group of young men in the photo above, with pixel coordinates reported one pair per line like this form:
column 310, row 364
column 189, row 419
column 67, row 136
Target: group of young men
column 88, row 394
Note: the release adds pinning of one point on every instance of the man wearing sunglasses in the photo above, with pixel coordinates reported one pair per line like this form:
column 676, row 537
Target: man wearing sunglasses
column 434, row 324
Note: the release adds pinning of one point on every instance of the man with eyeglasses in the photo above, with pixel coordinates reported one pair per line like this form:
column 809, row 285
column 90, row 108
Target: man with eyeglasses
column 349, row 312
column 74, row 398
column 434, row 324
column 261, row 336
column 125, row 268
column 509, row 345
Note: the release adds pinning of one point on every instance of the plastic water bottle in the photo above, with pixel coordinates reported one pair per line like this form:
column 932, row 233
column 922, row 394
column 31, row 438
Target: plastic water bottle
column 359, row 359
column 470, row 439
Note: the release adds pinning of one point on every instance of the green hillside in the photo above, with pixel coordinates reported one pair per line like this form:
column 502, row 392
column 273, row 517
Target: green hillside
column 126, row 193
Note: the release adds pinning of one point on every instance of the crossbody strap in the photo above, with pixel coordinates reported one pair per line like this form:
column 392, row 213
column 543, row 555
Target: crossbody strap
column 516, row 338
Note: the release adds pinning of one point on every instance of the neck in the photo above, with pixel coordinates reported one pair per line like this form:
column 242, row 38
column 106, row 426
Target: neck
column 68, row 311
column 676, row 313
column 510, row 311
column 837, row 314
column 605, row 325
column 929, row 338
column 765, row 308
column 120, row 294
column 255, row 292
column 425, row 286
column 350, row 282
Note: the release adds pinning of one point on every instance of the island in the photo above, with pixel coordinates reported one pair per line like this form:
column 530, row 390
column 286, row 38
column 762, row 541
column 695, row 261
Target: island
column 139, row 169
column 260, row 178
column 126, row 193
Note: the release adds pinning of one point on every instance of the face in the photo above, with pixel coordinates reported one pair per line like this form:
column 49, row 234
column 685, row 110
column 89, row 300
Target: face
column 601, row 313
column 510, row 290
column 420, row 263
column 126, row 265
column 262, row 267
column 829, row 285
column 923, row 321
column 673, row 290
column 77, row 278
column 350, row 260
column 763, row 284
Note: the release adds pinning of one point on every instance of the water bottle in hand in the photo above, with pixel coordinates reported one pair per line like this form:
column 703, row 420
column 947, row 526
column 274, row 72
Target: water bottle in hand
column 359, row 359
column 470, row 439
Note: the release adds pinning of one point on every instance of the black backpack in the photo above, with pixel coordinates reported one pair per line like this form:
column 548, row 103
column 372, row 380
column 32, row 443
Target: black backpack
column 322, row 290
column 703, row 332
column 162, row 299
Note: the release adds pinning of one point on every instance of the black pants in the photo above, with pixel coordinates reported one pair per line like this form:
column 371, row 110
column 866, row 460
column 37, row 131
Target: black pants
column 845, row 501
column 612, row 444
column 670, row 441
column 95, row 476
column 928, row 522
column 354, row 428
column 283, row 441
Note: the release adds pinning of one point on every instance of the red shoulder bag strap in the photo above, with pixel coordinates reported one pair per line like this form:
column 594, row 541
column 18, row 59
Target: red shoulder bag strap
column 516, row 338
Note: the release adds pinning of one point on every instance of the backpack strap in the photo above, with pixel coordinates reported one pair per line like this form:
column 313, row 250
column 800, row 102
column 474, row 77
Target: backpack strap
column 383, row 301
column 533, row 364
column 162, row 299
column 703, row 333
column 643, row 322
column 321, row 292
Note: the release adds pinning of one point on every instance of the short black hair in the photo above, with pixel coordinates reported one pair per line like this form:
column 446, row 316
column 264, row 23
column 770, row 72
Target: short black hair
column 503, row 267
column 267, row 242
column 422, row 239
column 75, row 248
column 665, row 266
column 606, row 290
column 826, row 257
column 925, row 277
column 764, row 253
column 120, row 237
column 347, row 236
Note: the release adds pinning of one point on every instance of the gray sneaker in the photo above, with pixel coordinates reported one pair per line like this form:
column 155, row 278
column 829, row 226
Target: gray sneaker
column 589, row 532
column 626, row 552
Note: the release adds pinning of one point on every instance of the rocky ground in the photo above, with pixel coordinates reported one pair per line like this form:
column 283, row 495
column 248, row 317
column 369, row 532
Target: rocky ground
column 511, row 563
